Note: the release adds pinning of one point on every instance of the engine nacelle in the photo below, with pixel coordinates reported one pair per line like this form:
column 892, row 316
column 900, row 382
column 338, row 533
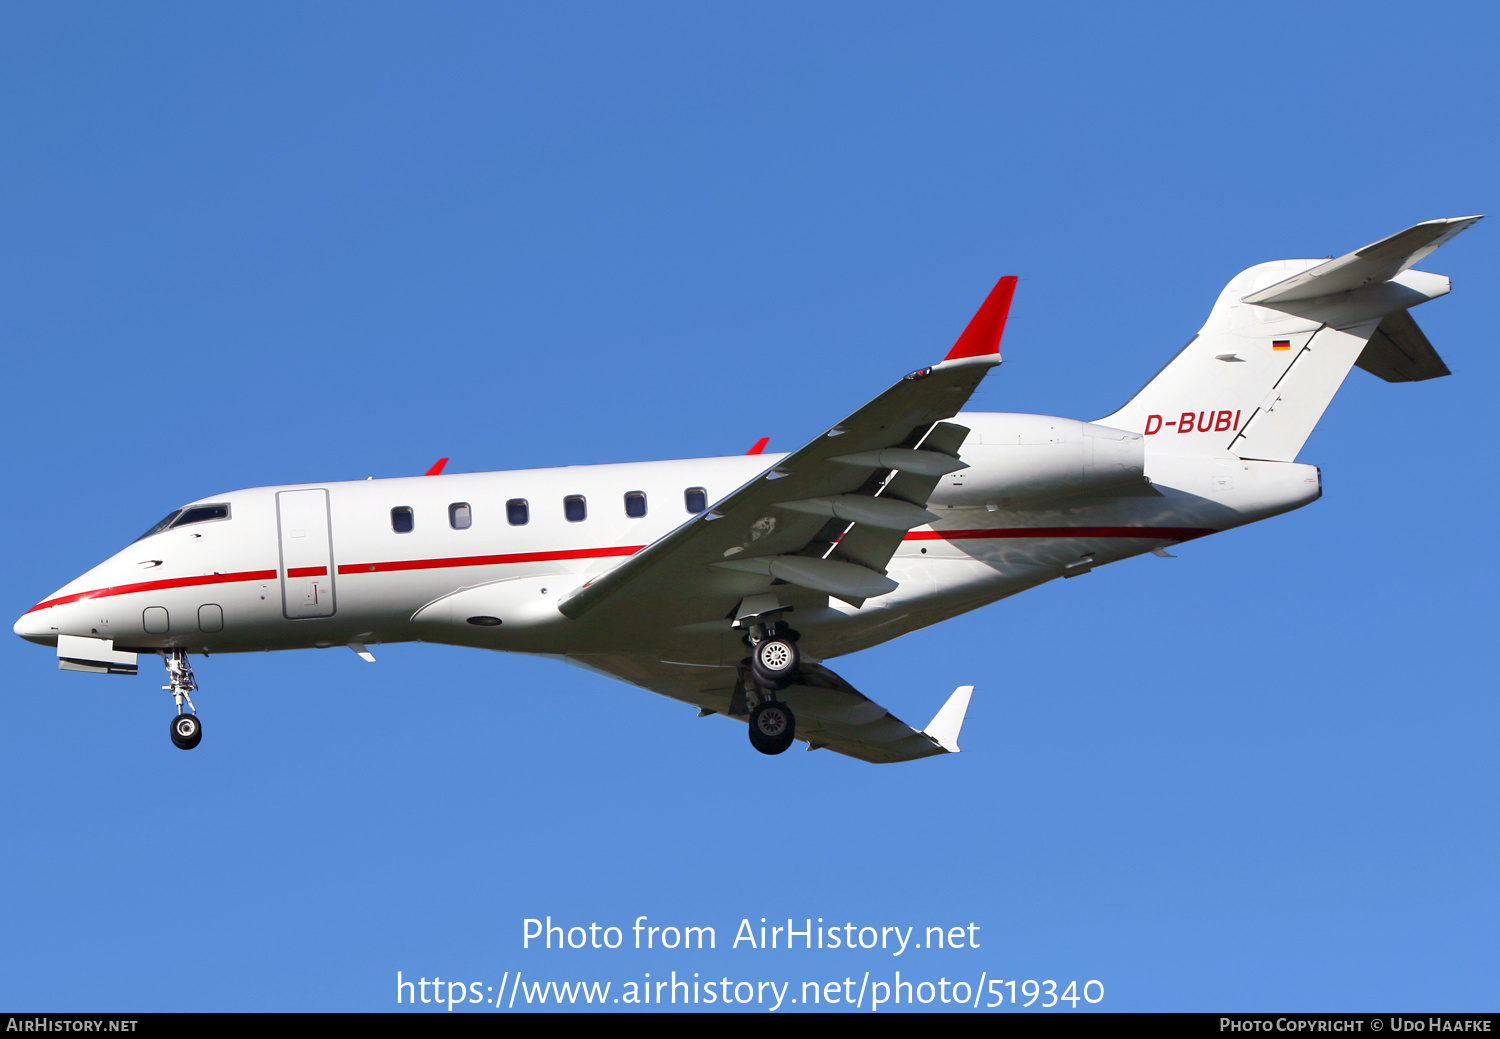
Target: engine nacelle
column 1025, row 458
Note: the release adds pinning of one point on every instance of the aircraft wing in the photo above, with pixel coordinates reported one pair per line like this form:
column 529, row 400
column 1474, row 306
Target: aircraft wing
column 827, row 517
column 830, row 712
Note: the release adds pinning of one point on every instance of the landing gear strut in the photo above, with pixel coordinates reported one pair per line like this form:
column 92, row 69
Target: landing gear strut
column 186, row 730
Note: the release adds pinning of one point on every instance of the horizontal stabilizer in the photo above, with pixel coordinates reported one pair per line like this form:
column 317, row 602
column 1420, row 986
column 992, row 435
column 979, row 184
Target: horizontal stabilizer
column 1379, row 262
column 1399, row 352
column 950, row 718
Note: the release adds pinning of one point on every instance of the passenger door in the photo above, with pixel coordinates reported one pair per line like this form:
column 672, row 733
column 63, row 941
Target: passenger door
column 306, row 553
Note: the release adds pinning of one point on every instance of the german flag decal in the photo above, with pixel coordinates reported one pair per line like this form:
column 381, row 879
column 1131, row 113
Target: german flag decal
column 1281, row 344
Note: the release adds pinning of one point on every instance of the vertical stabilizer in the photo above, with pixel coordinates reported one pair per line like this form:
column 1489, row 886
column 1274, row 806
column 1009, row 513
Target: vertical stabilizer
column 1279, row 342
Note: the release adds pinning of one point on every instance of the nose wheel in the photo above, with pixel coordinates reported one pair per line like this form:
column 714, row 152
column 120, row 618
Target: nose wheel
column 186, row 729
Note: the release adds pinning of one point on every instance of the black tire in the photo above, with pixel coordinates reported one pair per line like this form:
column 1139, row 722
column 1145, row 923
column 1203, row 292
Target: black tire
column 775, row 662
column 773, row 727
column 186, row 731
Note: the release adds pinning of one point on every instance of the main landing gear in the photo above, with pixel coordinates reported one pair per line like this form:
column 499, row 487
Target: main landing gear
column 186, row 730
column 774, row 660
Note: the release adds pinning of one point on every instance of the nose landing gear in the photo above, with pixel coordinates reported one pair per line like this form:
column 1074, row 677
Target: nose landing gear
column 186, row 729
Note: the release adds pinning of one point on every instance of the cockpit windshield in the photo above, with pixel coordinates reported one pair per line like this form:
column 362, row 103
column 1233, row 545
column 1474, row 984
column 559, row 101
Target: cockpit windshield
column 191, row 514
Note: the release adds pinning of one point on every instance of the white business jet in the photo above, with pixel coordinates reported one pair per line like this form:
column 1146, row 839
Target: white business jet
column 727, row 582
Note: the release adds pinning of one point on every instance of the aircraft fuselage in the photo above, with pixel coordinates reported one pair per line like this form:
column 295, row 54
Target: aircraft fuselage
column 372, row 561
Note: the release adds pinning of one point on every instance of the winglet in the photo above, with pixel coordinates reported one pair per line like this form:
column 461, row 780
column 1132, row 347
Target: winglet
column 760, row 445
column 943, row 729
column 982, row 337
column 437, row 467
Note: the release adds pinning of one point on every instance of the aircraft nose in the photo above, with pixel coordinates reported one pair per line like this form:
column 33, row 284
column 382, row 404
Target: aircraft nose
column 34, row 626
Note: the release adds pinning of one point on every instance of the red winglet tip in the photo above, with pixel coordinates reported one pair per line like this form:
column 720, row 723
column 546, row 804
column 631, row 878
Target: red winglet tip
column 437, row 467
column 760, row 445
column 988, row 324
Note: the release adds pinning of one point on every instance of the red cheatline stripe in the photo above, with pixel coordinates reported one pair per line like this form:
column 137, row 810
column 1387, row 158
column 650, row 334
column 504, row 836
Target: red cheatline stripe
column 1154, row 533
column 514, row 557
column 152, row 586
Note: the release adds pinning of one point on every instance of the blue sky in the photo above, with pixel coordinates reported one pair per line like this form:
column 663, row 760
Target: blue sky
column 290, row 243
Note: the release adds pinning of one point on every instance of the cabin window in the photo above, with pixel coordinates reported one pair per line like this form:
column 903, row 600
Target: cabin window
column 460, row 516
column 402, row 520
column 518, row 512
column 697, row 499
column 575, row 508
column 635, row 504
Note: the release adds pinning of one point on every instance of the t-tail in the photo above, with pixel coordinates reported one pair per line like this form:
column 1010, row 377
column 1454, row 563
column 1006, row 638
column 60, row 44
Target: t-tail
column 1281, row 339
